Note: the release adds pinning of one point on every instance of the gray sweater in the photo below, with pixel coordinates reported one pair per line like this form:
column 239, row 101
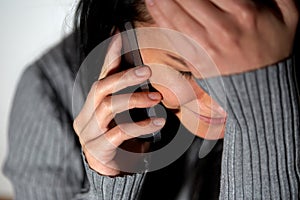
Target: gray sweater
column 261, row 153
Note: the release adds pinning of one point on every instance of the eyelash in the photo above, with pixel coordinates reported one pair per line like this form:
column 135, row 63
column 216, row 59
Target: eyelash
column 185, row 74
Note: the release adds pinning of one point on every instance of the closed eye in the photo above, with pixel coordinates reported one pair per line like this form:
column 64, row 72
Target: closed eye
column 186, row 74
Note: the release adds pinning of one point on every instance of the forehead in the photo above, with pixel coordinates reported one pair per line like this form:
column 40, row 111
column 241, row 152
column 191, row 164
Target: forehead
column 166, row 46
column 154, row 38
column 159, row 56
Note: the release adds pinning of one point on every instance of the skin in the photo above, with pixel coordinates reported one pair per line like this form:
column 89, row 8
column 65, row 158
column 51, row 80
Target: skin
column 197, row 111
column 256, row 38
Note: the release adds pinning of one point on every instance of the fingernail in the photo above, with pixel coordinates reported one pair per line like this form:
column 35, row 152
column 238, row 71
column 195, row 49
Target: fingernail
column 159, row 121
column 154, row 96
column 150, row 2
column 141, row 71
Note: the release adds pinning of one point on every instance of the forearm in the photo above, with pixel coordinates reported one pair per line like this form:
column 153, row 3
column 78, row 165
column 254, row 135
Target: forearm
column 261, row 146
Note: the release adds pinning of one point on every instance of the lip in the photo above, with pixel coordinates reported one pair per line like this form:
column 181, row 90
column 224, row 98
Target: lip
column 209, row 120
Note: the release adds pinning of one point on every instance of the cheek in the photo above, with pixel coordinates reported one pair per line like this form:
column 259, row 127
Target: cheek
column 181, row 94
column 175, row 89
column 170, row 99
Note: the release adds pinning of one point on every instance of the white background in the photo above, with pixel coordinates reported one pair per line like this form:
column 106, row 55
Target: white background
column 27, row 29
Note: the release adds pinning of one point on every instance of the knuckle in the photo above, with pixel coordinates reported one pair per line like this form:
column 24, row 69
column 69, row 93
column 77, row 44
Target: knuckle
column 133, row 100
column 99, row 120
column 95, row 88
column 75, row 126
column 248, row 14
column 138, row 100
column 119, row 135
column 95, row 85
column 126, row 78
column 127, row 75
column 105, row 105
column 226, row 31
column 125, row 131
column 211, row 50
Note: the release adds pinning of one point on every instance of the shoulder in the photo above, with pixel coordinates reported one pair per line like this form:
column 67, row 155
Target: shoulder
column 52, row 75
column 43, row 148
column 59, row 60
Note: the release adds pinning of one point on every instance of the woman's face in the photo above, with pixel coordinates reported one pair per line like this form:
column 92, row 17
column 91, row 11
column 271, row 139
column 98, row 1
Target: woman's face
column 174, row 79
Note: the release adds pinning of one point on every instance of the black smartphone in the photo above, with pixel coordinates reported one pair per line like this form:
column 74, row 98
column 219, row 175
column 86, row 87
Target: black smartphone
column 131, row 57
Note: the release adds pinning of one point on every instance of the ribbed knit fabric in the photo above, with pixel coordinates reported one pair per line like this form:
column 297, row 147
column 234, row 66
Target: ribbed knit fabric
column 102, row 187
column 261, row 146
column 44, row 157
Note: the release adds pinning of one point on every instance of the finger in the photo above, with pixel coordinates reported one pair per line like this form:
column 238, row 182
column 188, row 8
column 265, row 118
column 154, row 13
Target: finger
column 241, row 14
column 162, row 10
column 245, row 9
column 113, row 57
column 158, row 16
column 91, row 130
column 235, row 7
column 119, row 81
column 132, row 130
column 112, row 105
column 107, row 86
column 289, row 11
column 204, row 12
column 105, row 145
column 181, row 22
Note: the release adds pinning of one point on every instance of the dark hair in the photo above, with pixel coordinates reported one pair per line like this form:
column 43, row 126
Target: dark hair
column 96, row 20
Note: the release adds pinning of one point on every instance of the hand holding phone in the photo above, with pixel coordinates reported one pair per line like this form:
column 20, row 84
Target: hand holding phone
column 132, row 58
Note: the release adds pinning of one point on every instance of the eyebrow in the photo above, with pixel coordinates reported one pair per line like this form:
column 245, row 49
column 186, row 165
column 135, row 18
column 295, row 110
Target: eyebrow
column 179, row 60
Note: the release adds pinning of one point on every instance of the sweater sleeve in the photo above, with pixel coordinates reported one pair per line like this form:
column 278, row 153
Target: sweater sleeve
column 44, row 157
column 261, row 155
column 127, row 187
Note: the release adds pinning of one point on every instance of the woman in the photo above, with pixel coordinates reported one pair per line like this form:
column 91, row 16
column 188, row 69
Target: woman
column 261, row 138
